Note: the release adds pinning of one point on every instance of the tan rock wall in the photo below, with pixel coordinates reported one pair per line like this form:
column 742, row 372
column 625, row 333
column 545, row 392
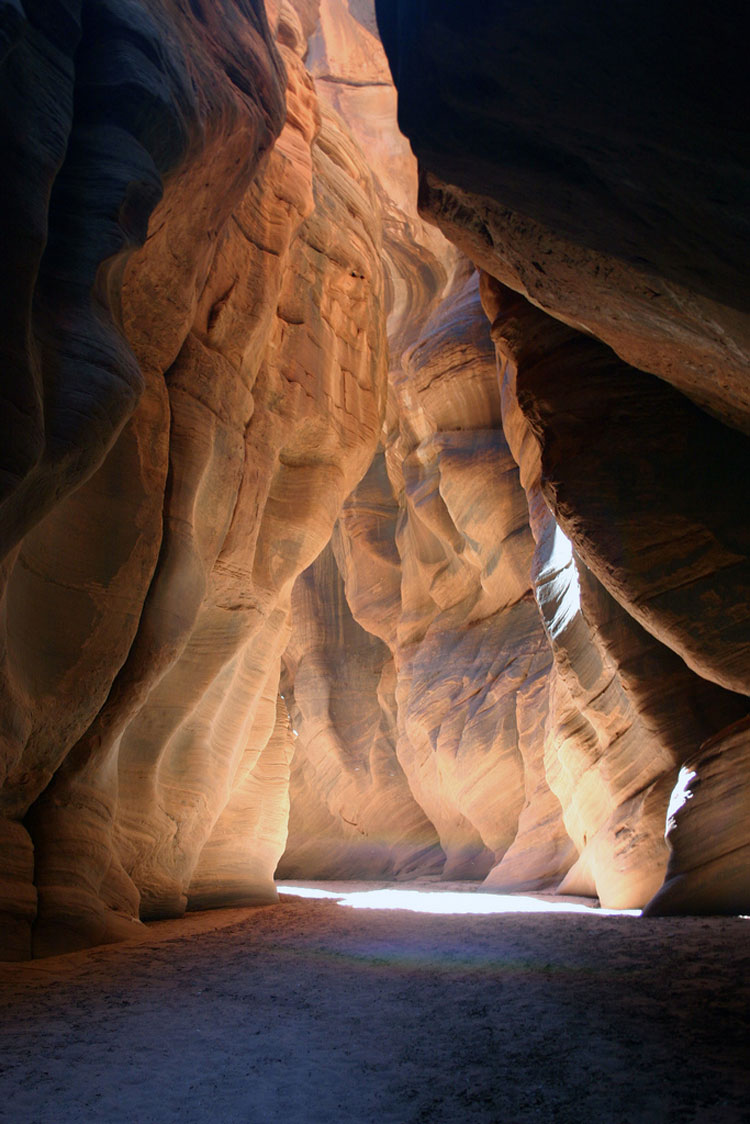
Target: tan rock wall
column 435, row 552
column 146, row 614
column 606, row 185
column 625, row 709
column 352, row 811
column 607, row 182
column 514, row 624
column 524, row 709
column 707, row 829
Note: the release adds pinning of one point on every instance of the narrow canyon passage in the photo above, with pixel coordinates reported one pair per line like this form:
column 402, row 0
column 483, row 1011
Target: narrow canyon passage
column 373, row 457
column 310, row 1012
column 374, row 462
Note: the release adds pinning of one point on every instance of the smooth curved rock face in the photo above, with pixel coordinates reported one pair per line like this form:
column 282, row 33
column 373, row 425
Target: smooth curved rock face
column 435, row 552
column 603, row 186
column 643, row 482
column 593, row 160
column 245, row 841
column 194, row 381
column 145, row 615
column 537, row 767
column 351, row 71
column 626, row 710
column 418, row 684
column 98, row 106
column 352, row 812
column 468, row 638
column 708, row 829
column 611, row 776
column 80, row 186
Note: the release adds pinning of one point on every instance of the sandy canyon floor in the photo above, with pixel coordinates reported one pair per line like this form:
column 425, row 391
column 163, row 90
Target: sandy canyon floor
column 311, row 1012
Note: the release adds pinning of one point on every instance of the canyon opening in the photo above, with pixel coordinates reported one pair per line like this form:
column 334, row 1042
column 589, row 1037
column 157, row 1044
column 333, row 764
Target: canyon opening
column 375, row 562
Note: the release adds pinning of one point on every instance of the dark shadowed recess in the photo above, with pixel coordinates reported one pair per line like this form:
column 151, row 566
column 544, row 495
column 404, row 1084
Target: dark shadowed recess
column 631, row 115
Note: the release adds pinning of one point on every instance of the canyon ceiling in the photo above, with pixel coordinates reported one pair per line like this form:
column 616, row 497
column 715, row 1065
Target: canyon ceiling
column 354, row 538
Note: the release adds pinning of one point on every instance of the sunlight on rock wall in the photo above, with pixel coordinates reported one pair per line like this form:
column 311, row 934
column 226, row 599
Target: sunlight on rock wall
column 147, row 611
column 392, row 503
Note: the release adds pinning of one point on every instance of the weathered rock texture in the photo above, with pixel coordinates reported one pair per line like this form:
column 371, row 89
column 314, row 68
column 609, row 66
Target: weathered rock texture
column 710, row 863
column 517, row 622
column 548, row 673
column 184, row 469
column 352, row 813
column 593, row 159
column 98, row 106
column 626, row 709
column 604, row 187
column 417, row 671
column 470, row 651
column 429, row 572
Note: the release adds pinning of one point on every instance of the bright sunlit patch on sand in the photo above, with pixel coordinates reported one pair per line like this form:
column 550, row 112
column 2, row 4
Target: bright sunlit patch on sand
column 435, row 901
column 307, row 892
column 450, row 902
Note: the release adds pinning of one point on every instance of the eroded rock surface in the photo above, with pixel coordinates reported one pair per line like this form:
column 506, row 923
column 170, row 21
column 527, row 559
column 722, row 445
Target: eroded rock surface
column 352, row 812
column 146, row 613
column 707, row 829
column 100, row 106
column 434, row 552
column 608, row 180
column 626, row 709
column 580, row 180
column 535, row 751
column 517, row 622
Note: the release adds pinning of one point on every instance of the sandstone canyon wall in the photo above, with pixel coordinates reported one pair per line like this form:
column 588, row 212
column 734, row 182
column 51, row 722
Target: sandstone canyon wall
column 202, row 370
column 304, row 523
column 542, row 740
column 605, row 190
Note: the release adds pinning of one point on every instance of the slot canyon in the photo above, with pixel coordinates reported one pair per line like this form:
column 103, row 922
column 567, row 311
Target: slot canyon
column 374, row 448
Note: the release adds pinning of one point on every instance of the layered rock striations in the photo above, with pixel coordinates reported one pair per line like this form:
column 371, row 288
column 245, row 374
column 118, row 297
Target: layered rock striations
column 626, row 709
column 542, row 741
column 516, row 696
column 287, row 539
column 100, row 106
column 707, row 829
column 145, row 613
column 353, row 814
column 468, row 642
column 594, row 161
column 417, row 668
column 430, row 569
column 601, row 186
